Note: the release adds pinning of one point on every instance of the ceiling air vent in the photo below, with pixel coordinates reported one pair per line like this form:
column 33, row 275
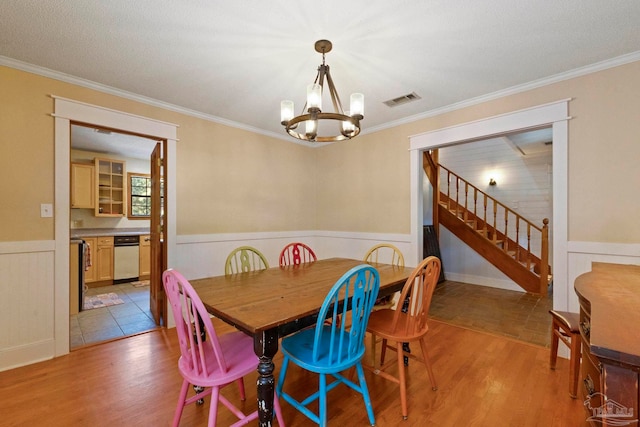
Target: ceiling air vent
column 402, row 100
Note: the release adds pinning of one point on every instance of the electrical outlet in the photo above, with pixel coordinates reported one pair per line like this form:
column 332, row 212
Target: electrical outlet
column 46, row 210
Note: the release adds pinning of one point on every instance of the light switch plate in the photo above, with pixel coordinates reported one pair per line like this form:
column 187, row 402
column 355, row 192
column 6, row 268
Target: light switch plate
column 46, row 210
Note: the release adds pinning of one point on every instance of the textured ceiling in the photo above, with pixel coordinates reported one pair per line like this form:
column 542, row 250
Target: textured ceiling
column 234, row 61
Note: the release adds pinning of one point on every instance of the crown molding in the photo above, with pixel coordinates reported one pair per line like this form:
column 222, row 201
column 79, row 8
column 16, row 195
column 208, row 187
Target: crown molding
column 578, row 72
column 67, row 78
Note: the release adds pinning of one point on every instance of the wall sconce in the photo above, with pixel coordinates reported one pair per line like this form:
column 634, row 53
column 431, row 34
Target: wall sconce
column 492, row 182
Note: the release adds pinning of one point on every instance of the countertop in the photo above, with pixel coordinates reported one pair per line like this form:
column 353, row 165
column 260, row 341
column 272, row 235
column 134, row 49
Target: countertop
column 613, row 293
column 75, row 233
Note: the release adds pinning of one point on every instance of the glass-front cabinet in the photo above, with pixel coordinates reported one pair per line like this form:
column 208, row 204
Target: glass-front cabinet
column 111, row 180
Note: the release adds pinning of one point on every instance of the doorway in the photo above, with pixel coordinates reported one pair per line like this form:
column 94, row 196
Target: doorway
column 515, row 170
column 66, row 112
column 554, row 115
column 120, row 305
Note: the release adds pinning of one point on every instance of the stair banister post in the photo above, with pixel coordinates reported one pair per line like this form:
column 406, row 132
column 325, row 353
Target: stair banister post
column 506, row 229
column 457, row 196
column 544, row 257
column 495, row 220
column 485, row 215
column 448, row 189
column 517, row 237
column 529, row 245
column 466, row 204
column 475, row 202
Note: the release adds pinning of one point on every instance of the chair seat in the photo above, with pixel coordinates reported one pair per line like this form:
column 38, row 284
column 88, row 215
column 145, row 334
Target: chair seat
column 569, row 320
column 300, row 347
column 381, row 321
column 239, row 357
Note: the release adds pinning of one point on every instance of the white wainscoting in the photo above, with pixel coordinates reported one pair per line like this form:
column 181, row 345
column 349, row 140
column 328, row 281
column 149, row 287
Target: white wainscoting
column 204, row 255
column 582, row 254
column 27, row 303
column 27, row 306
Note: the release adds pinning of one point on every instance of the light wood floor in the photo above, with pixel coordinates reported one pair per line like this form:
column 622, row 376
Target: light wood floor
column 484, row 380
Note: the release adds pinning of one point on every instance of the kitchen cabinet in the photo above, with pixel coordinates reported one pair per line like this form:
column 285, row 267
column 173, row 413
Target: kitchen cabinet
column 104, row 258
column 111, row 187
column 90, row 273
column 83, row 187
column 144, row 271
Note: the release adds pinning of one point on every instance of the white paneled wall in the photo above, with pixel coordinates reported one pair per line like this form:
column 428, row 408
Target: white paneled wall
column 582, row 254
column 523, row 182
column 204, row 255
column 27, row 303
column 27, row 306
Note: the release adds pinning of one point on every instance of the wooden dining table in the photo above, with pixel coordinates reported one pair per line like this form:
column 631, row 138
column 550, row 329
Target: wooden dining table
column 273, row 303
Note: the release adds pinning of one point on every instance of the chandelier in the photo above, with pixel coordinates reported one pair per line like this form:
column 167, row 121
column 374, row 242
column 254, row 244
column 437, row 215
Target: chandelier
column 318, row 126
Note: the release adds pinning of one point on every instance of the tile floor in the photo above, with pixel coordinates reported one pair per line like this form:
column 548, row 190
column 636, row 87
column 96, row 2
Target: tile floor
column 514, row 314
column 106, row 323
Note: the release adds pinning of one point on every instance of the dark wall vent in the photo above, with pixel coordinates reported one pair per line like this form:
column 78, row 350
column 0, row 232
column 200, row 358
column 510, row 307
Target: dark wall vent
column 402, row 100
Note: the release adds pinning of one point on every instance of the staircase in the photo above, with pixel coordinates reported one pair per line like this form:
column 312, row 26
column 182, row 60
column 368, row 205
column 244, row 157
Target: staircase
column 513, row 244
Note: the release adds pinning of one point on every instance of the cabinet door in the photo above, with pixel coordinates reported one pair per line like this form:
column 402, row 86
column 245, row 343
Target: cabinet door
column 83, row 186
column 145, row 257
column 90, row 273
column 105, row 258
column 111, row 187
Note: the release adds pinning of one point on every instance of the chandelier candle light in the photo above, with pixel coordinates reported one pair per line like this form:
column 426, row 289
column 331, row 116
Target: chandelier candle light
column 347, row 123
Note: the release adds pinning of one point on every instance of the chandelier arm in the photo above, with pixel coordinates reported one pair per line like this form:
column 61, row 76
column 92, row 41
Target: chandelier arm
column 322, row 71
column 335, row 98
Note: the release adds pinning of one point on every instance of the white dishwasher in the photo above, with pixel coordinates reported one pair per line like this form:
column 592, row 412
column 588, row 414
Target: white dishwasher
column 126, row 258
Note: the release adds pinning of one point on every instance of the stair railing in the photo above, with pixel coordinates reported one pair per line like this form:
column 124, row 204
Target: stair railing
column 521, row 239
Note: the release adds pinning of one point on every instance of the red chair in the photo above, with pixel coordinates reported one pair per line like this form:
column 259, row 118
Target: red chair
column 296, row 253
column 207, row 360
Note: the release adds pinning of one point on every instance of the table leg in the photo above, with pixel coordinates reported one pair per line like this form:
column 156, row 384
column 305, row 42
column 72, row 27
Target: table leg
column 265, row 345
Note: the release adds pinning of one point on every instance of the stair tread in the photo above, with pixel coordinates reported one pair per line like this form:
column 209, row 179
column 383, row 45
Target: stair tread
column 472, row 220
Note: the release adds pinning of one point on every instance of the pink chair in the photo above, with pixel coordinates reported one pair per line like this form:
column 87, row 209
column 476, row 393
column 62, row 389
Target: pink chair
column 296, row 253
column 208, row 360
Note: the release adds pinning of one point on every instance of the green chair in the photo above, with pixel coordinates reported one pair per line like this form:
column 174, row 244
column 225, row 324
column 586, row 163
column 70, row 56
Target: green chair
column 244, row 259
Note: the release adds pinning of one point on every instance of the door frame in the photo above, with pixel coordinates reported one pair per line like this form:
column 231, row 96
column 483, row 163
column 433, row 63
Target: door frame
column 554, row 114
column 67, row 111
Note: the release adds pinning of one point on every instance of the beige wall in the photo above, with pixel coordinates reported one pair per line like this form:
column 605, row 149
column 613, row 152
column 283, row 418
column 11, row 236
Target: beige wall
column 364, row 184
column 604, row 149
column 237, row 181
column 231, row 180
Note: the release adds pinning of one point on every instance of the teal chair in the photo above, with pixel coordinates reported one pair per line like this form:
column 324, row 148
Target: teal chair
column 333, row 347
